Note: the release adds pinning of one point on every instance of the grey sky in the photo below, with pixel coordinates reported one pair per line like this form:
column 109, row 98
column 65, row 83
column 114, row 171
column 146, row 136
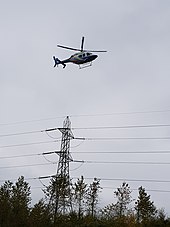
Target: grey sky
column 133, row 76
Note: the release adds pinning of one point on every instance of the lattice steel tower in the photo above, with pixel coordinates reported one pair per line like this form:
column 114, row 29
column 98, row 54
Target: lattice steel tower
column 62, row 186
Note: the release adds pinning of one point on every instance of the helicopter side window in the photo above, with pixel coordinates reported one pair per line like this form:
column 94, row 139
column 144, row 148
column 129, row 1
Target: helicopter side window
column 88, row 54
column 84, row 55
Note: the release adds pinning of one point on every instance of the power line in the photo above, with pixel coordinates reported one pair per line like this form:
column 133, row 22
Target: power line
column 113, row 188
column 19, row 156
column 121, row 152
column 123, row 162
column 100, row 178
column 88, row 162
column 87, row 128
column 29, row 155
column 28, row 165
column 123, row 127
column 30, row 132
column 121, row 113
column 28, row 144
column 21, row 133
column 127, row 179
column 135, row 189
column 84, row 152
column 116, row 179
column 31, row 121
column 30, row 178
column 86, row 115
column 121, row 138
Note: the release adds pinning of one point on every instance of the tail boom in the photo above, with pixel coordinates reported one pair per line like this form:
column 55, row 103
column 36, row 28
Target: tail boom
column 58, row 62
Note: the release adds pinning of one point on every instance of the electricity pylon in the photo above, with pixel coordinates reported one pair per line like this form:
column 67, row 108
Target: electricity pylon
column 63, row 202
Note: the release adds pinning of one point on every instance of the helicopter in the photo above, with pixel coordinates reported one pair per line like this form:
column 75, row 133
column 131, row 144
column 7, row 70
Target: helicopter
column 83, row 58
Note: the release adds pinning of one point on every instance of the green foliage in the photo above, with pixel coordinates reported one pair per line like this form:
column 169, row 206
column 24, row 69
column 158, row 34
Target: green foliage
column 14, row 203
column 40, row 215
column 58, row 195
column 93, row 197
column 123, row 195
column 120, row 213
column 20, row 201
column 144, row 207
column 15, row 210
column 79, row 194
column 5, row 204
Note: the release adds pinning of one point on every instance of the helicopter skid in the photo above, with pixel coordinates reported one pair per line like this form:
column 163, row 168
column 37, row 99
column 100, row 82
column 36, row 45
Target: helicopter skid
column 85, row 65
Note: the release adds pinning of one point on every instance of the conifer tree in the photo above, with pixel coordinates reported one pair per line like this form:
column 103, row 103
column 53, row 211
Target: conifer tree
column 80, row 193
column 5, row 204
column 58, row 196
column 40, row 215
column 93, row 197
column 120, row 213
column 123, row 195
column 14, row 203
column 144, row 207
column 20, row 201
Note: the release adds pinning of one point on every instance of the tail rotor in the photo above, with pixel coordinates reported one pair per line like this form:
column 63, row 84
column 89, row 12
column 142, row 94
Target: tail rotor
column 57, row 62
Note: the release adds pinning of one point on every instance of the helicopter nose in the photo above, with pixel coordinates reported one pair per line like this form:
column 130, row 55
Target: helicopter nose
column 94, row 56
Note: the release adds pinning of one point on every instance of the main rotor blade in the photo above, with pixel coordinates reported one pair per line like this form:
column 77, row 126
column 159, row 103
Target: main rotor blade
column 96, row 51
column 69, row 48
column 82, row 43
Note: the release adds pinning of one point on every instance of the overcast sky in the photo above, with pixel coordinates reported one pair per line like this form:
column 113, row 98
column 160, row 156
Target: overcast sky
column 127, row 86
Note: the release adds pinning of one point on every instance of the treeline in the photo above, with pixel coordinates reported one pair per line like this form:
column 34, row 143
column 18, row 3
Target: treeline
column 76, row 204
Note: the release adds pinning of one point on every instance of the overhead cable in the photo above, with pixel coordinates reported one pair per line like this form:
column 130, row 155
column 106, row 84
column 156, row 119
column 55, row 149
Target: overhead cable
column 121, row 113
column 87, row 128
column 127, row 179
column 31, row 121
column 122, row 152
column 123, row 127
column 100, row 178
column 29, row 132
column 121, row 138
column 29, row 155
column 88, row 162
column 27, row 165
column 111, row 188
column 86, row 115
column 21, row 133
column 123, row 162
column 136, row 189
column 84, row 152
column 28, row 144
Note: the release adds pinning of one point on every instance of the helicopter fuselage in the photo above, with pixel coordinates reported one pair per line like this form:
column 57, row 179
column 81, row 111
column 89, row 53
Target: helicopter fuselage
column 81, row 58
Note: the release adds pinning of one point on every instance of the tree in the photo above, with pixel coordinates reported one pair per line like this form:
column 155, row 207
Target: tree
column 93, row 196
column 160, row 219
column 20, row 201
column 80, row 193
column 58, row 194
column 144, row 207
column 119, row 213
column 40, row 215
column 123, row 195
column 109, row 211
column 5, row 204
column 14, row 203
